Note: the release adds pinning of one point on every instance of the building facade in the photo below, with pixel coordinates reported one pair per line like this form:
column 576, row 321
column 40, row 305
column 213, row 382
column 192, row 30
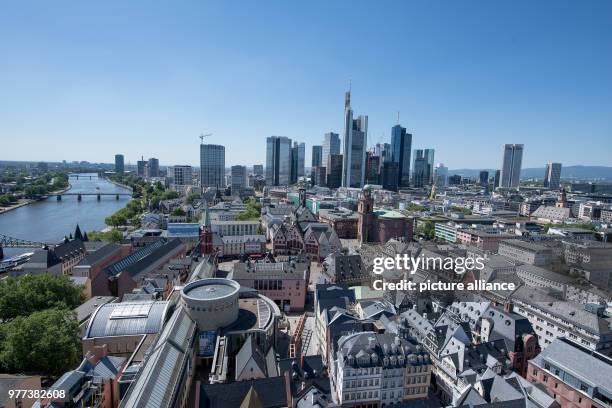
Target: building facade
column 181, row 175
column 511, row 166
column 212, row 165
column 401, row 147
column 278, row 161
column 552, row 176
column 119, row 164
column 239, row 179
column 317, row 156
column 331, row 145
column 355, row 142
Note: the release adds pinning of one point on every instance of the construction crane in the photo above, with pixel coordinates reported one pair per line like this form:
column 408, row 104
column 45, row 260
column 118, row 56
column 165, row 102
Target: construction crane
column 202, row 136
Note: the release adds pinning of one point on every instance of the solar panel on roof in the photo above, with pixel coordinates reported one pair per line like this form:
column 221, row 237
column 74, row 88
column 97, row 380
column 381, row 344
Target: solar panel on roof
column 131, row 310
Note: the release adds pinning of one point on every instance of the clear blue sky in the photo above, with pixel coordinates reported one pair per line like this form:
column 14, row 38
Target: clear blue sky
column 85, row 80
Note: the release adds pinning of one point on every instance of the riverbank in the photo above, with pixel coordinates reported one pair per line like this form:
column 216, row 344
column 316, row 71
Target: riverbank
column 51, row 220
column 118, row 184
column 28, row 201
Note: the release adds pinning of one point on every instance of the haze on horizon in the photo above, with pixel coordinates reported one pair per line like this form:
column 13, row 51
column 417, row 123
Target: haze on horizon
column 84, row 81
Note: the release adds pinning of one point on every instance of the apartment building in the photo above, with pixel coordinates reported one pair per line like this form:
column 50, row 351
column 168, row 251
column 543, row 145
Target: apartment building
column 573, row 375
column 375, row 370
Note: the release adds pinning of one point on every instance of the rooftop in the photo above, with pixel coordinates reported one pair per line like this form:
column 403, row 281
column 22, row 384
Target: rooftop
column 213, row 288
column 127, row 319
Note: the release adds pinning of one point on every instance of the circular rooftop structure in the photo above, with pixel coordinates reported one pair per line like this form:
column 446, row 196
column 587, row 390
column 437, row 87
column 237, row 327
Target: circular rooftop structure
column 208, row 289
column 212, row 302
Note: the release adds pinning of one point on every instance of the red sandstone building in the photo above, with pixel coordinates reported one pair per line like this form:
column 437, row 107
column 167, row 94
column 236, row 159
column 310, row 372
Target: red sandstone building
column 344, row 221
column 380, row 225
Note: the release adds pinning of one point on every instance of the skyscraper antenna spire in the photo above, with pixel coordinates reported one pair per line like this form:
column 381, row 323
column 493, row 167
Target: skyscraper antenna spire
column 398, row 118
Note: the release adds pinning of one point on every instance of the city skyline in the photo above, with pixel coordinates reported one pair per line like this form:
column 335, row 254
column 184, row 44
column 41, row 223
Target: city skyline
column 463, row 86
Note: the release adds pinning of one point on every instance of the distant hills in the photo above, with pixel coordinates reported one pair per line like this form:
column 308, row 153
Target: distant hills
column 569, row 172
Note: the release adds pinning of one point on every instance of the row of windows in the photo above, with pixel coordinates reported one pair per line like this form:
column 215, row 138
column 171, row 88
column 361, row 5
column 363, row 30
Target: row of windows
column 216, row 308
column 361, row 383
column 363, row 371
column 273, row 284
column 360, row 395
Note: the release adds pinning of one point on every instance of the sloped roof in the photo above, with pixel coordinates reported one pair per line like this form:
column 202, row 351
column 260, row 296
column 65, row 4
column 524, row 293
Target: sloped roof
column 271, row 392
column 248, row 351
column 127, row 318
column 156, row 384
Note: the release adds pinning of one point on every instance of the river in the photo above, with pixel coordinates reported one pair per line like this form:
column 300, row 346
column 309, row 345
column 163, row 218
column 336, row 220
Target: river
column 50, row 220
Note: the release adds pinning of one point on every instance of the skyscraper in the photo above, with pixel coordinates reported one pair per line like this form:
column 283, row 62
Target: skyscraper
column 239, row 179
column 423, row 169
column 511, row 166
column 390, row 175
column 153, row 167
column 484, row 178
column 317, row 154
column 441, row 175
column 301, row 159
column 181, row 176
column 552, row 176
column 372, row 168
column 418, row 169
column 355, row 142
column 119, row 164
column 293, row 174
column 278, row 161
column 141, row 167
column 212, row 165
column 334, row 170
column 429, row 166
column 383, row 150
column 401, row 146
column 331, row 145
column 258, row 170
column 318, row 176
column 497, row 178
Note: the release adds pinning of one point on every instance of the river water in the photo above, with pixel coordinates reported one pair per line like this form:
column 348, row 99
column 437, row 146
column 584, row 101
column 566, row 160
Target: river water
column 50, row 220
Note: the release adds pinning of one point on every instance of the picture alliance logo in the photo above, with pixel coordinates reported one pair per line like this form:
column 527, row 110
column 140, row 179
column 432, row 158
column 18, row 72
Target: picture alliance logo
column 459, row 265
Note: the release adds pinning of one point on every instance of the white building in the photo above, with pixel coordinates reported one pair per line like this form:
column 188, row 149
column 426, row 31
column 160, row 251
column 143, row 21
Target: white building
column 224, row 228
column 379, row 369
column 181, row 177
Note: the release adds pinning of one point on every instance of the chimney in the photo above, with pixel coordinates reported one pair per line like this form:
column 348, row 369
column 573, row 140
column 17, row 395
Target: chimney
column 508, row 307
column 302, row 361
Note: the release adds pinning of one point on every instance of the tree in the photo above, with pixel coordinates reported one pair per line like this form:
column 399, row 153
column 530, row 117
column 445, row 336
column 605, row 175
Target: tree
column 252, row 212
column 415, row 207
column 427, row 229
column 178, row 212
column 169, row 195
column 461, row 210
column 45, row 342
column 191, row 197
column 113, row 235
column 31, row 293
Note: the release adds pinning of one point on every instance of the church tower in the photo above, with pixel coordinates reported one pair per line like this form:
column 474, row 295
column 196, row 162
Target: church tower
column 206, row 237
column 562, row 199
column 365, row 210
